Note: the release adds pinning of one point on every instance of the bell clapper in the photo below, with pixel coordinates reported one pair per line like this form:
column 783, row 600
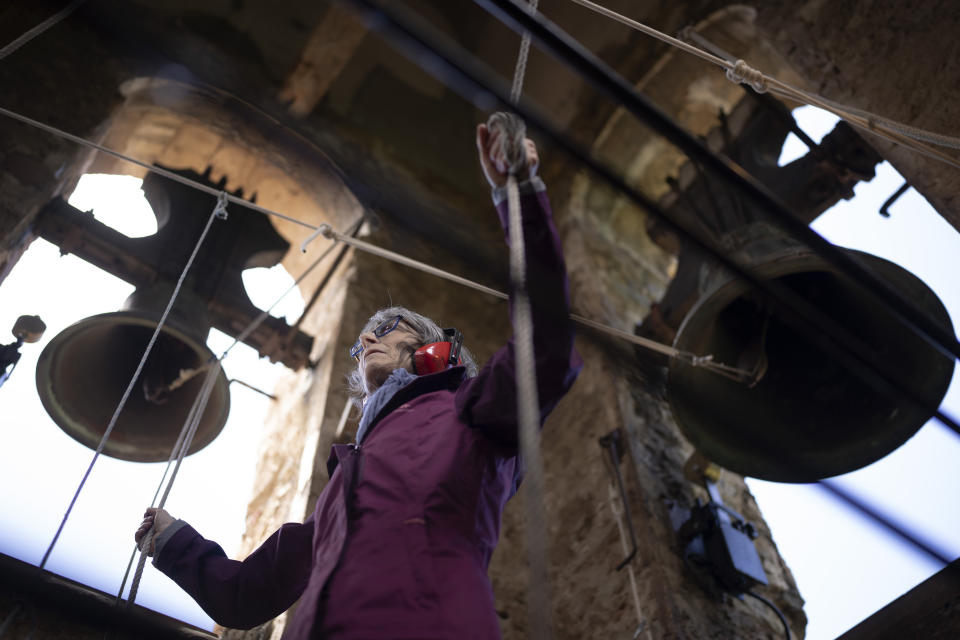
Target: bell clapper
column 754, row 357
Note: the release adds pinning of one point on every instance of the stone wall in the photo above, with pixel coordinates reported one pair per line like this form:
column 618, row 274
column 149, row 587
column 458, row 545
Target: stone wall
column 39, row 82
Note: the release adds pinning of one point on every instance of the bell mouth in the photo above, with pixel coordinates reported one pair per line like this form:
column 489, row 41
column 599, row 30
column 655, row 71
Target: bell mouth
column 83, row 372
column 807, row 416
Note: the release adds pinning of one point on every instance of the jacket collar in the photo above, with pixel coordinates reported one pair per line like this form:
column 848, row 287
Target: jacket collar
column 447, row 379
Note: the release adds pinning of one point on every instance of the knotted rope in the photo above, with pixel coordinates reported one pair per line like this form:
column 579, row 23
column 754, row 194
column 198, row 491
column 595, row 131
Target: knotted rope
column 741, row 72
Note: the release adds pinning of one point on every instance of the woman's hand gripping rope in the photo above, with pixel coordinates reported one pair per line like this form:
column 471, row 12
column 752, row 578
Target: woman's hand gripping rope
column 492, row 148
column 153, row 519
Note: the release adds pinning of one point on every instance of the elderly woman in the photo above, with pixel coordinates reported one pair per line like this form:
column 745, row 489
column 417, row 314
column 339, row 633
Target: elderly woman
column 401, row 537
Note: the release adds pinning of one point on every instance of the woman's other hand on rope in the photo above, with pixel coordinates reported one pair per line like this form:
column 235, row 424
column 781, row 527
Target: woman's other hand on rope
column 493, row 157
column 159, row 519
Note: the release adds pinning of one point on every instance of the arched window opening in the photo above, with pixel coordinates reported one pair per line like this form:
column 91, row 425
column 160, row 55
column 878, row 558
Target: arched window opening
column 264, row 286
column 117, row 201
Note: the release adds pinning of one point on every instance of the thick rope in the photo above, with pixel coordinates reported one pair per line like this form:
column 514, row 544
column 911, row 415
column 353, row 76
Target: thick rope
column 520, row 70
column 39, row 29
column 216, row 213
column 528, row 414
column 740, row 72
column 536, row 534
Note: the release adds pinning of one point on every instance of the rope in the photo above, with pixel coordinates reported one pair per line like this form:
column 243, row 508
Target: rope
column 40, row 28
column 217, row 212
column 528, row 404
column 193, row 420
column 650, row 31
column 740, row 72
column 705, row 362
column 520, row 70
column 174, row 452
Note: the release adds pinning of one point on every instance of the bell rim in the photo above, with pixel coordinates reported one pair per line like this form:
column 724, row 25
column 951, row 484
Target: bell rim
column 44, row 383
column 730, row 289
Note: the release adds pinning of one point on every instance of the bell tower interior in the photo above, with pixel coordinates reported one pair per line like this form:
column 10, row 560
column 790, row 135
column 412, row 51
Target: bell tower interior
column 306, row 110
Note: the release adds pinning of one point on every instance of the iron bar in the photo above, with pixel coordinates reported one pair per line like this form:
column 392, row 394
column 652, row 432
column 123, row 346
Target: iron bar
column 885, row 207
column 872, row 513
column 252, row 388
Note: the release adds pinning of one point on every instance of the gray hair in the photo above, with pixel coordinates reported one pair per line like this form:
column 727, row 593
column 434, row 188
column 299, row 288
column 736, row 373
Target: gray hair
column 427, row 331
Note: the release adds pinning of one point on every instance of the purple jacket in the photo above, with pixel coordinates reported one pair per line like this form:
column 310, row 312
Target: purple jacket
column 401, row 537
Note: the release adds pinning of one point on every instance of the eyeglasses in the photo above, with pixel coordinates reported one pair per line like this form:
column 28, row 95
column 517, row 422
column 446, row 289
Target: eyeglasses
column 380, row 330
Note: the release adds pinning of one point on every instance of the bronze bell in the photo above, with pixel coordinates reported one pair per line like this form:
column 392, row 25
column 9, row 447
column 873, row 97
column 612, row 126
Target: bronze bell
column 805, row 416
column 83, row 372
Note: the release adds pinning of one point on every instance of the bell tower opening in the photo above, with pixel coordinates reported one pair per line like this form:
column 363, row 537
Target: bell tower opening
column 117, row 201
column 813, row 121
column 264, row 285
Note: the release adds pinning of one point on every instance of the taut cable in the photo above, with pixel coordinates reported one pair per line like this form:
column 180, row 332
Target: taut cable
column 705, row 362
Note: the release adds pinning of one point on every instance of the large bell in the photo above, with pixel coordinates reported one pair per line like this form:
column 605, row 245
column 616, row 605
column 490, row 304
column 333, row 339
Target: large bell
column 83, row 372
column 808, row 417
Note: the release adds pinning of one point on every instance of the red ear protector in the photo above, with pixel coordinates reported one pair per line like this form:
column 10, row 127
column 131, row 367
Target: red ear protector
column 437, row 356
